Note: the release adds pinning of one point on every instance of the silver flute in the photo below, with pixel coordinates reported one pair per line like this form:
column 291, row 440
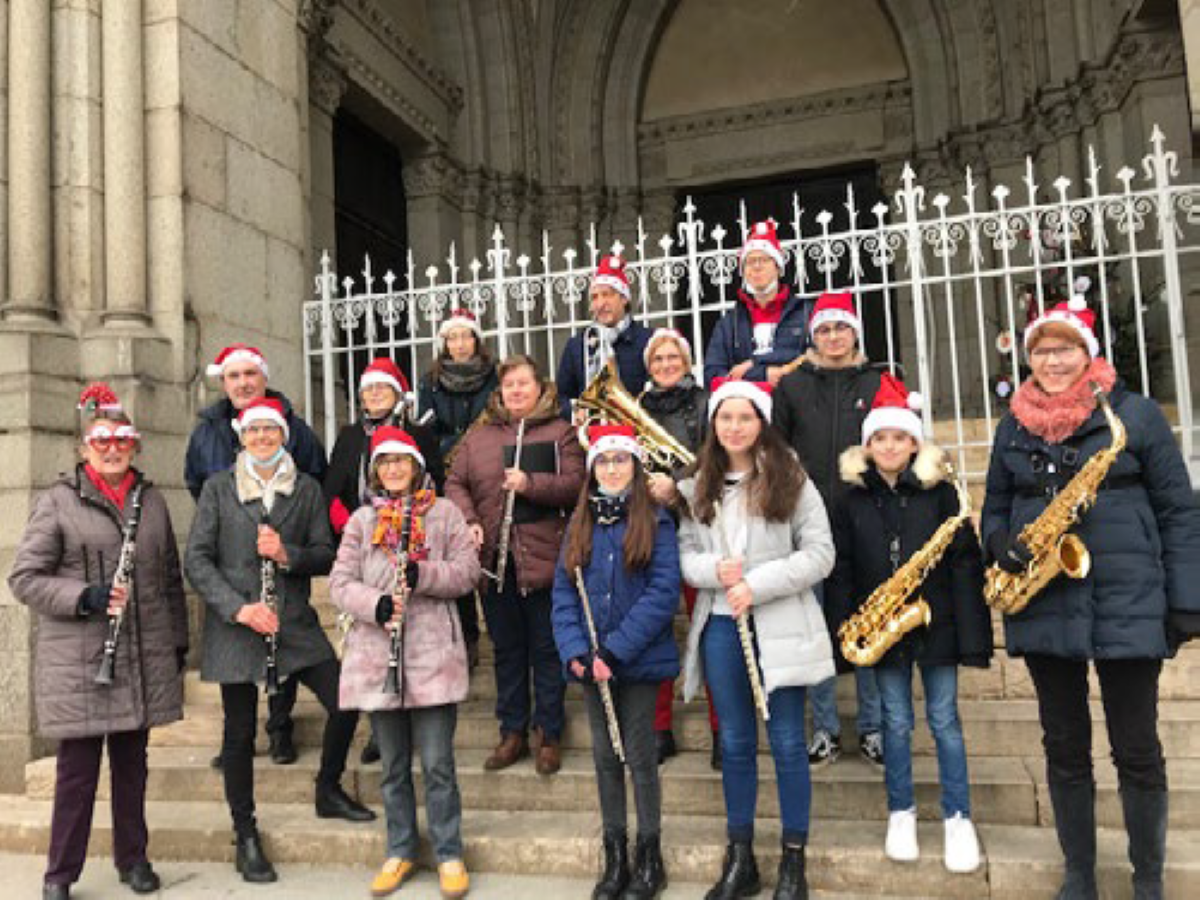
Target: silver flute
column 391, row 684
column 606, row 698
column 270, row 596
column 510, row 500
column 743, row 625
column 122, row 578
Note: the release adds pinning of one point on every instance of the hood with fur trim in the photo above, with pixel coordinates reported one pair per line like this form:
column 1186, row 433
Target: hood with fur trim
column 928, row 466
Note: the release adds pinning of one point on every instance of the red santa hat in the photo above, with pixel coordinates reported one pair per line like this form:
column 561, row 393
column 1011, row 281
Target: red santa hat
column 384, row 371
column 262, row 409
column 392, row 440
column 236, row 353
column 837, row 307
column 1076, row 316
column 610, row 438
column 460, row 318
column 894, row 407
column 668, row 334
column 757, row 392
column 98, row 398
column 762, row 238
column 611, row 273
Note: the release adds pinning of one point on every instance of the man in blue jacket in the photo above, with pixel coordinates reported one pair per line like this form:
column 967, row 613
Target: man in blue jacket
column 612, row 335
column 768, row 327
column 214, row 446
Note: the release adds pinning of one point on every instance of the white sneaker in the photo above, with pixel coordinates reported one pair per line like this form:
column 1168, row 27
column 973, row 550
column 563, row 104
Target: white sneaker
column 962, row 845
column 901, row 844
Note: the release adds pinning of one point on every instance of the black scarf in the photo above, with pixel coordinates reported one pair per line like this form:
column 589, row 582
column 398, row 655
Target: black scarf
column 672, row 399
column 464, row 377
column 608, row 510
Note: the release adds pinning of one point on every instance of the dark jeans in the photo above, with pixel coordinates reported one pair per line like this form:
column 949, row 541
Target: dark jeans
column 429, row 731
column 725, row 670
column 1129, row 692
column 240, row 702
column 634, row 702
column 75, row 798
column 519, row 625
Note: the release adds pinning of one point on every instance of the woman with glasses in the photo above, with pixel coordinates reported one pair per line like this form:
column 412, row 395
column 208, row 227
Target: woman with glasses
column 66, row 570
column 1132, row 610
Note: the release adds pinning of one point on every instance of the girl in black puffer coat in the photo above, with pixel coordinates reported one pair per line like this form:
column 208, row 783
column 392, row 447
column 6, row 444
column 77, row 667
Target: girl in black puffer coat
column 457, row 387
column 899, row 495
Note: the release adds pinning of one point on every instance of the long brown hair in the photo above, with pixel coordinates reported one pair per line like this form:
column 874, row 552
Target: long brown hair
column 641, row 519
column 443, row 357
column 774, row 483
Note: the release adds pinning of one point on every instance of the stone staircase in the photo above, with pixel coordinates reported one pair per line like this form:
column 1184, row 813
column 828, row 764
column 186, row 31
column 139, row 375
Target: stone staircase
column 517, row 822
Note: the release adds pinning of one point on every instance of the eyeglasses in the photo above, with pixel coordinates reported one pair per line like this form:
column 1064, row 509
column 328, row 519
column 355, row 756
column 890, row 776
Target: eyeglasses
column 1045, row 354
column 260, row 430
column 614, row 460
column 832, row 328
column 104, row 439
column 391, row 461
column 758, row 262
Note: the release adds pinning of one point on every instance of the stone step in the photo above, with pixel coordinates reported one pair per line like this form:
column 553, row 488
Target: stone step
column 1003, row 791
column 843, row 857
column 991, row 727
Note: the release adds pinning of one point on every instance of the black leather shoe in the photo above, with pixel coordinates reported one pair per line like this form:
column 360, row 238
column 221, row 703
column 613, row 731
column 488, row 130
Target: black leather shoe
column 141, row 878
column 739, row 875
column 616, row 867
column 252, row 860
column 56, row 891
column 283, row 750
column 792, row 883
column 217, row 762
column 649, row 877
column 665, row 742
column 370, row 752
column 334, row 803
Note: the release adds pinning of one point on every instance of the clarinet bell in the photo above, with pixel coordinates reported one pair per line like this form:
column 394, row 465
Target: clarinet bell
column 105, row 675
column 391, row 684
column 272, row 681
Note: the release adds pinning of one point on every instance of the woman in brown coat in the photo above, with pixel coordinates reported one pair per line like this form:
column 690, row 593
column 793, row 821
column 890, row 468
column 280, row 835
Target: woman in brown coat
column 65, row 571
column 545, row 484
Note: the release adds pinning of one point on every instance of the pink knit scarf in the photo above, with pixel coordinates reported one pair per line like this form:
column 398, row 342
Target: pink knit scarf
column 1055, row 417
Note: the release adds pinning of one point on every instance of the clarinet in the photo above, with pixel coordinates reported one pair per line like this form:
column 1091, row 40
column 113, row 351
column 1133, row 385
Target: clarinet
column 267, row 594
column 123, row 577
column 743, row 627
column 606, row 698
column 510, row 500
column 391, row 684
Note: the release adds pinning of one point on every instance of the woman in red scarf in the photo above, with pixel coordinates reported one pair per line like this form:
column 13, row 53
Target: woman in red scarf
column 66, row 571
column 1133, row 609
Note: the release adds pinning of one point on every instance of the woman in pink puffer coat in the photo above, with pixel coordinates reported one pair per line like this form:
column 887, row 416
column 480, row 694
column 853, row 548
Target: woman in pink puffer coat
column 441, row 565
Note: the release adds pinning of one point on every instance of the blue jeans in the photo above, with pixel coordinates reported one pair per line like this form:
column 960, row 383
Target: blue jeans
column 430, row 731
column 941, row 709
column 725, row 670
column 823, row 697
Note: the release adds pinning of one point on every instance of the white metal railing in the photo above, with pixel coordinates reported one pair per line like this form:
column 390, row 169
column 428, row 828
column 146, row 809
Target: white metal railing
column 955, row 284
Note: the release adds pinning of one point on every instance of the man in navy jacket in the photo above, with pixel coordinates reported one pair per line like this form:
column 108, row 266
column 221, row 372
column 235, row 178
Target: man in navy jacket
column 612, row 335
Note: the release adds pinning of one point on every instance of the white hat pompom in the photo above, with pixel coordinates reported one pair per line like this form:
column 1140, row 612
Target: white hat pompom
column 1078, row 304
column 916, row 401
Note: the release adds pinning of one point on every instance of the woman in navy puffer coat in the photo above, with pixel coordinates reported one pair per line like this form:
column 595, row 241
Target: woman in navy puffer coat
column 624, row 548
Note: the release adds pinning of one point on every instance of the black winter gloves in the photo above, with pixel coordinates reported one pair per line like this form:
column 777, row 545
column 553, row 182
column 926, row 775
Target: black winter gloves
column 1009, row 553
column 94, row 599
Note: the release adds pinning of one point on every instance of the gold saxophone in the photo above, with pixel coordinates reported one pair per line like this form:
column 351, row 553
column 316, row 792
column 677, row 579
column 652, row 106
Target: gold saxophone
column 1046, row 537
column 888, row 614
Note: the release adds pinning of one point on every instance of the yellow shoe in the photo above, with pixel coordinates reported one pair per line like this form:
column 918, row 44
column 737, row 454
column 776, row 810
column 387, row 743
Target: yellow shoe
column 454, row 880
column 394, row 873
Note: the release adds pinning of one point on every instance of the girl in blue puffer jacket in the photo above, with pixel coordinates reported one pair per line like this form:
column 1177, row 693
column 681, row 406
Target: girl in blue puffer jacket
column 624, row 547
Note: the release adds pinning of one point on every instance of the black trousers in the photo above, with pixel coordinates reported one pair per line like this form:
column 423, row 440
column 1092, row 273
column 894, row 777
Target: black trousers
column 279, row 710
column 240, row 702
column 1129, row 692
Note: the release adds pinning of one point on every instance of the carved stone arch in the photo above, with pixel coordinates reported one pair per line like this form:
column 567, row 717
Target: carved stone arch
column 927, row 44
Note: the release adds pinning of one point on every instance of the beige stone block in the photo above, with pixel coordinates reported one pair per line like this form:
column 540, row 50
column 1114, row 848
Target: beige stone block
column 268, row 42
column 226, row 271
column 15, row 692
column 203, row 156
column 161, row 63
column 79, row 249
column 286, row 281
column 78, row 139
column 166, row 257
column 264, row 194
column 156, row 11
column 275, row 126
column 26, row 465
column 15, row 751
column 77, row 60
column 215, row 20
column 37, row 353
column 212, row 84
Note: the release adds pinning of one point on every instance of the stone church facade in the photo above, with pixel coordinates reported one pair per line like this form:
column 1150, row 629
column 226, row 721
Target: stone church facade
column 171, row 169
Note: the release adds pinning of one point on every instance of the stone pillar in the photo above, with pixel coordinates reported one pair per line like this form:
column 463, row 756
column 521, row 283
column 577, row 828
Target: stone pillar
column 326, row 87
column 124, row 166
column 30, row 238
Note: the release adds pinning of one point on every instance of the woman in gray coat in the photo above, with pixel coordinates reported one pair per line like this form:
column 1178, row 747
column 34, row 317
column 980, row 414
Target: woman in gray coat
column 64, row 571
column 263, row 520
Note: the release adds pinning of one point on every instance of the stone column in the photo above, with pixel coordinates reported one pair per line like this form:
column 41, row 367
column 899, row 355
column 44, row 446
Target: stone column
column 30, row 294
column 326, row 87
column 124, row 165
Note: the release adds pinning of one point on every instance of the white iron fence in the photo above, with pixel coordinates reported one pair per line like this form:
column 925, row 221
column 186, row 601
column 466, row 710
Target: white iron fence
column 952, row 278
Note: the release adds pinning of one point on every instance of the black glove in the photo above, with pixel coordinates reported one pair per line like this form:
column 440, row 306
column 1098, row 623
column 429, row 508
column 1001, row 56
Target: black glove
column 586, row 662
column 1010, row 554
column 384, row 609
column 181, row 658
column 1181, row 628
column 94, row 599
column 412, row 572
column 609, row 660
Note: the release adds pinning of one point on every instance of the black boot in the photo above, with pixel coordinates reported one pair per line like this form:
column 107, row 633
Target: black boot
column 792, row 883
column 141, row 878
column 665, row 744
column 1146, row 825
column 370, row 751
column 334, row 803
column 252, row 861
column 649, row 874
column 739, row 874
column 616, row 867
column 1075, row 822
column 52, row 891
column 283, row 749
